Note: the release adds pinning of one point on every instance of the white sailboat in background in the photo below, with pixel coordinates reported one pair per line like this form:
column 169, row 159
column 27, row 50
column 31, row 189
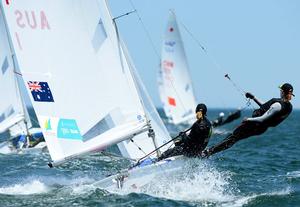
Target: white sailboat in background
column 90, row 96
column 175, row 85
column 14, row 116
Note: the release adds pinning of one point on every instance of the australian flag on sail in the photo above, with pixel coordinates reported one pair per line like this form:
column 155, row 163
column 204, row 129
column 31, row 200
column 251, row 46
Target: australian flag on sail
column 40, row 91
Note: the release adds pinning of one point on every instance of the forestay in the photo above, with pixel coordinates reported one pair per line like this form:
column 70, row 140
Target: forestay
column 70, row 59
column 175, row 86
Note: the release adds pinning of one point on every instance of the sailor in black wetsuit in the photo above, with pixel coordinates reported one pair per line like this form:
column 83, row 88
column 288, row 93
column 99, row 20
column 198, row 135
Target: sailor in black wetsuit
column 218, row 121
column 232, row 116
column 270, row 114
column 191, row 145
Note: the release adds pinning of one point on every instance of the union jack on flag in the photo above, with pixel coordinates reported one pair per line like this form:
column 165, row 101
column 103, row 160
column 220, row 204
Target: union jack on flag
column 40, row 91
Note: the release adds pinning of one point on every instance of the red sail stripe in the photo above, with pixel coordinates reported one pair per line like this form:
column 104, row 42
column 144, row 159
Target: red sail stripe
column 172, row 101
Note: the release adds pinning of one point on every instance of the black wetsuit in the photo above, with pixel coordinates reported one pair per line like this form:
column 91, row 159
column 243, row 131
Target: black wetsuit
column 217, row 122
column 253, row 127
column 232, row 116
column 191, row 145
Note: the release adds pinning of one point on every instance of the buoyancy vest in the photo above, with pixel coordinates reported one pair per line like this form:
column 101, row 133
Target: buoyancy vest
column 276, row 118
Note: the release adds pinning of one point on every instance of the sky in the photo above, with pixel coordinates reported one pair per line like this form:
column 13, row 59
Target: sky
column 256, row 42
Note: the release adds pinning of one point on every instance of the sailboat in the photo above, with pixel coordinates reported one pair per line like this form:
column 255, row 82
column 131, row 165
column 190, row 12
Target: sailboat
column 14, row 116
column 91, row 96
column 174, row 82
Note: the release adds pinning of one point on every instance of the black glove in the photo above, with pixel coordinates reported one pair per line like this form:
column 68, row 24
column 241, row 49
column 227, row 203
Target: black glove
column 249, row 95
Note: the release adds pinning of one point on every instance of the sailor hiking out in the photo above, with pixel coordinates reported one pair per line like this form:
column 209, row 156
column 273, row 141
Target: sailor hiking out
column 270, row 114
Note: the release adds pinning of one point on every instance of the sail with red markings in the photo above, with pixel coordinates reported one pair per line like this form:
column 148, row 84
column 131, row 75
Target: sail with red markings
column 175, row 85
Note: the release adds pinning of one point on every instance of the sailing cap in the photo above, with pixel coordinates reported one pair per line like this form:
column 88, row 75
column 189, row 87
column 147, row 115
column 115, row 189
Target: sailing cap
column 201, row 107
column 287, row 88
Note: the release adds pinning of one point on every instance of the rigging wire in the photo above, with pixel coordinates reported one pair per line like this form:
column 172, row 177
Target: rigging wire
column 135, row 78
column 226, row 75
column 212, row 59
column 146, row 30
column 138, row 146
column 215, row 63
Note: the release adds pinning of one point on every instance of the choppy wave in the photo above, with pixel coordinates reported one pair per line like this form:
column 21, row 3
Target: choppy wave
column 44, row 184
column 294, row 174
column 192, row 183
column 203, row 183
column 259, row 171
column 32, row 187
column 241, row 201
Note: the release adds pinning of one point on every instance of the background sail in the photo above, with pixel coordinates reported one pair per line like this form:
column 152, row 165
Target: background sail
column 68, row 53
column 175, row 84
column 12, row 115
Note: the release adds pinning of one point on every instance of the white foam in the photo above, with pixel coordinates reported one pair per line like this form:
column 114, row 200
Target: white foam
column 194, row 182
column 197, row 184
column 219, row 131
column 294, row 174
column 74, row 185
column 5, row 149
column 66, row 181
column 43, row 184
column 33, row 187
column 241, row 201
column 82, row 189
column 82, row 185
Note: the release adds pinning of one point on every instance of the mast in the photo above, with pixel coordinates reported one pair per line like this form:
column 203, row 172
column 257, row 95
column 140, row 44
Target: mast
column 14, row 68
column 151, row 133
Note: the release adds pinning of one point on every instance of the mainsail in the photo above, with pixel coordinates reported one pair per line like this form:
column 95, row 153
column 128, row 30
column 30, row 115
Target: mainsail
column 77, row 75
column 13, row 113
column 175, row 85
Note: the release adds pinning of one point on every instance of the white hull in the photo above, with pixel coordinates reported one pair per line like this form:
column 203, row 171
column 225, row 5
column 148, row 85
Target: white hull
column 137, row 178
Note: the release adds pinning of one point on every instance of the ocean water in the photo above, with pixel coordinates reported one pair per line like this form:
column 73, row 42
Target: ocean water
column 259, row 171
